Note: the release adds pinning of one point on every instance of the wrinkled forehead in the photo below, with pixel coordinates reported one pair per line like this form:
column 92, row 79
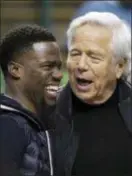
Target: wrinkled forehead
column 88, row 30
column 92, row 36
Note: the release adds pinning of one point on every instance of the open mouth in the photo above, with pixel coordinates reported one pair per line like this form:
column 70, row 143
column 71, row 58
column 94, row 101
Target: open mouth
column 52, row 91
column 83, row 84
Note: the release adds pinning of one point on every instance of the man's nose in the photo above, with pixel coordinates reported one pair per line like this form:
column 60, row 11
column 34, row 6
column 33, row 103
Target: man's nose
column 58, row 74
column 82, row 64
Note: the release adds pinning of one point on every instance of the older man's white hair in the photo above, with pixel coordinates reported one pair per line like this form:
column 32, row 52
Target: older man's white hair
column 121, row 41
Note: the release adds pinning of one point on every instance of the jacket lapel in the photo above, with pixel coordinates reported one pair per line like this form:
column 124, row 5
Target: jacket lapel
column 125, row 104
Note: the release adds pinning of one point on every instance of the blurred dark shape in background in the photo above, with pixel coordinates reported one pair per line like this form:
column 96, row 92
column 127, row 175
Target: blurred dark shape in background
column 122, row 9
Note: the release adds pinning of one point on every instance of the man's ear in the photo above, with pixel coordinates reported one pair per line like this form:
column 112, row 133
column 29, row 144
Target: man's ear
column 15, row 70
column 120, row 67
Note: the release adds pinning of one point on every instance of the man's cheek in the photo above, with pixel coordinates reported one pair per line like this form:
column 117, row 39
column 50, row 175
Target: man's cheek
column 48, row 75
column 70, row 65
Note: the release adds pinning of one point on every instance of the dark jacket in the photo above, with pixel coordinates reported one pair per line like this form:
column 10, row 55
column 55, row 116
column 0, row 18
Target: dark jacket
column 67, row 140
column 25, row 143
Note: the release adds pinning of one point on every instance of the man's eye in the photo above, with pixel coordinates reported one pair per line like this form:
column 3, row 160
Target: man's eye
column 50, row 66
column 59, row 66
column 75, row 54
column 47, row 66
column 96, row 58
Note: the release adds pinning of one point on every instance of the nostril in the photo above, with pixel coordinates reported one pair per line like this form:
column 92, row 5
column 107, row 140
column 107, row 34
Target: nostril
column 57, row 78
column 81, row 69
column 58, row 75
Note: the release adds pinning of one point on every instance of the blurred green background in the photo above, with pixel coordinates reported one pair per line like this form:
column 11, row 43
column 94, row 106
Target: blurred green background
column 2, row 85
column 65, row 78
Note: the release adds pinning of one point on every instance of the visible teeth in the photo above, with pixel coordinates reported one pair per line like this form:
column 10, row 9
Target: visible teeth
column 54, row 88
column 51, row 91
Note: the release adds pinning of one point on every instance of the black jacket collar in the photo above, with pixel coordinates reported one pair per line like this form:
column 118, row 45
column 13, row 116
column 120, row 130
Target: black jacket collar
column 9, row 105
column 64, row 103
column 125, row 104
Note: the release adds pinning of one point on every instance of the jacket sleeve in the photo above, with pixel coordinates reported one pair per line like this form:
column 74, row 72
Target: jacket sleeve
column 12, row 144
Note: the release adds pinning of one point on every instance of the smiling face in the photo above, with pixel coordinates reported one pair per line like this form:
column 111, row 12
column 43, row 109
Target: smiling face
column 42, row 72
column 92, row 72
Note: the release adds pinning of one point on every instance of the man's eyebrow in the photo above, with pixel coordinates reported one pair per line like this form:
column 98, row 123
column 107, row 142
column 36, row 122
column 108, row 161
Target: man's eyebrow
column 50, row 62
column 47, row 62
column 95, row 52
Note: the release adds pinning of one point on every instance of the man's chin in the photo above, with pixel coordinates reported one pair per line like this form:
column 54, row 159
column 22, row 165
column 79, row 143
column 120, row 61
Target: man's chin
column 85, row 96
column 50, row 102
column 50, row 98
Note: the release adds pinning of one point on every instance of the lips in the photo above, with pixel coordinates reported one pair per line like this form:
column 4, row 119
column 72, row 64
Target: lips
column 52, row 91
column 83, row 84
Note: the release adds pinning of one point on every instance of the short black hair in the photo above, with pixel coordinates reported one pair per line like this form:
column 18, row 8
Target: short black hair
column 19, row 39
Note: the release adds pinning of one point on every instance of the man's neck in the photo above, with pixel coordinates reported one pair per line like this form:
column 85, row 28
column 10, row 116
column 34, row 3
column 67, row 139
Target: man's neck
column 21, row 99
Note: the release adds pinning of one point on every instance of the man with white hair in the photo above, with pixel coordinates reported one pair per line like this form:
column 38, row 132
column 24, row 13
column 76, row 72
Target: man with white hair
column 94, row 109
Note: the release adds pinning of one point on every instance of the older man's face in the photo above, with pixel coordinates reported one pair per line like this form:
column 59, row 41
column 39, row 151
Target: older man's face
column 92, row 73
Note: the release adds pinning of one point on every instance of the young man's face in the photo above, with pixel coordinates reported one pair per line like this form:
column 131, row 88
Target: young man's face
column 42, row 72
